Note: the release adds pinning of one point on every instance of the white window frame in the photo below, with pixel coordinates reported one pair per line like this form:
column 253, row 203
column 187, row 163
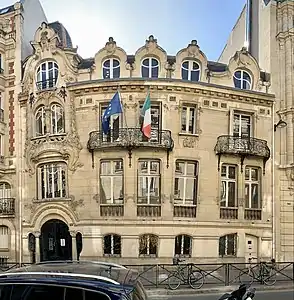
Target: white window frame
column 48, row 170
column 182, row 244
column 111, row 67
column 185, row 177
column 241, row 114
column 4, row 237
column 2, row 145
column 188, row 109
column 243, row 80
column 150, row 67
column 148, row 244
column 54, row 118
column 5, row 190
column 148, row 180
column 226, row 242
column 112, row 176
column 39, row 79
column 42, row 111
column 190, row 69
column 227, row 180
column 109, row 138
column 251, row 182
column 112, row 237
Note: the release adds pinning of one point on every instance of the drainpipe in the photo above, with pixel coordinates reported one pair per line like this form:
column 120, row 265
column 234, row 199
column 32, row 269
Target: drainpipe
column 273, row 185
column 20, row 194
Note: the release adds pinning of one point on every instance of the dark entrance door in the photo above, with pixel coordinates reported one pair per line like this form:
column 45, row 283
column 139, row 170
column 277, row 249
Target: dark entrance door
column 55, row 241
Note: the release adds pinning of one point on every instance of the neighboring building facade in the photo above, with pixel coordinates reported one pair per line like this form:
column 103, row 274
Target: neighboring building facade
column 199, row 188
column 17, row 28
column 270, row 30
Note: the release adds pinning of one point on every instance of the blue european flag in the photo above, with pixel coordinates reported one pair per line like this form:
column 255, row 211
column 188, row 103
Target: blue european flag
column 113, row 108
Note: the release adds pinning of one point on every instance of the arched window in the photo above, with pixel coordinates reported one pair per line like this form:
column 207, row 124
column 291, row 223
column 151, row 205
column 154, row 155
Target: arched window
column 148, row 245
column 242, row 80
column 40, row 121
column 57, row 119
column 111, row 68
column 5, row 190
column 183, row 245
column 228, row 245
column 150, row 68
column 112, row 245
column 52, row 181
column 7, row 204
column 190, row 70
column 4, row 238
column 47, row 74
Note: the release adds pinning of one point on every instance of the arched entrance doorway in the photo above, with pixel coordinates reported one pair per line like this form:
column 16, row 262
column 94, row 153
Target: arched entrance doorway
column 55, row 241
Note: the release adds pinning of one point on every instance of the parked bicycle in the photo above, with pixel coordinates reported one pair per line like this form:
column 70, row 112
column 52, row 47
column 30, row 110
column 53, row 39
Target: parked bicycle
column 263, row 272
column 194, row 278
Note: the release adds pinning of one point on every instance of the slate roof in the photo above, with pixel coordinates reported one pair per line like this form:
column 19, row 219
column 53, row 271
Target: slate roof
column 63, row 34
column 6, row 10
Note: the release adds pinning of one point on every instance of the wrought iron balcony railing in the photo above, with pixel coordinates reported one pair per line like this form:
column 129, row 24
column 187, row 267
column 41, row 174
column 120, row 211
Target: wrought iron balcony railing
column 7, row 206
column 242, row 146
column 130, row 138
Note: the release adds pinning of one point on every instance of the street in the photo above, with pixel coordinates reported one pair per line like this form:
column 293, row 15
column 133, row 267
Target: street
column 264, row 295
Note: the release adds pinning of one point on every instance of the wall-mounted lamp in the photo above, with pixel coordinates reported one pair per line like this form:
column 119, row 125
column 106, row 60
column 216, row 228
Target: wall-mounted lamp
column 280, row 124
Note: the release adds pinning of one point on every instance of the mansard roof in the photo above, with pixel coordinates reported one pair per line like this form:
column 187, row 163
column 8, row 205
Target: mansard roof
column 6, row 10
column 65, row 39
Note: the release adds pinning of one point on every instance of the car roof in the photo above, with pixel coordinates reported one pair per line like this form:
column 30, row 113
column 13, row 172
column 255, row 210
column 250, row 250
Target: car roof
column 108, row 273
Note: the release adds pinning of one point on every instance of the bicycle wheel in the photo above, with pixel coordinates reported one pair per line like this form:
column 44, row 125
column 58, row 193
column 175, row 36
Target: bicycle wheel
column 174, row 281
column 246, row 276
column 196, row 280
column 270, row 276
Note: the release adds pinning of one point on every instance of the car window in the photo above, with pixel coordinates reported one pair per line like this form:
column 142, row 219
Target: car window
column 80, row 294
column 44, row 292
column 5, row 292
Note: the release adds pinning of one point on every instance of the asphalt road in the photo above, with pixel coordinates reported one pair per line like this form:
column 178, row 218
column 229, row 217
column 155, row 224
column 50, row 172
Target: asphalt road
column 264, row 295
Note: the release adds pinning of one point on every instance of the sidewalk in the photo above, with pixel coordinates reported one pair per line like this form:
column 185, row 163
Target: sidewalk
column 154, row 292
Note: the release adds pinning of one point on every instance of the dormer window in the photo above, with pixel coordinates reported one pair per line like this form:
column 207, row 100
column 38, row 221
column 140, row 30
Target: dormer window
column 150, row 68
column 190, row 70
column 47, row 74
column 242, row 80
column 111, row 68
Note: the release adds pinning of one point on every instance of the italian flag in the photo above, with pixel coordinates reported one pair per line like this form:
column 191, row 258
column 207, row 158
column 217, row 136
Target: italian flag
column 146, row 115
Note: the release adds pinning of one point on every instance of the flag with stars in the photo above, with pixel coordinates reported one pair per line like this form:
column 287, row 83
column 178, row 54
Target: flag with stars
column 114, row 108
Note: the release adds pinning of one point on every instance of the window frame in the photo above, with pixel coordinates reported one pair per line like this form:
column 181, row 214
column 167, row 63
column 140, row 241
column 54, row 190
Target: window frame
column 185, row 177
column 42, row 119
column 44, row 167
column 226, row 247
column 112, row 175
column 242, row 80
column 251, row 182
column 188, row 107
column 7, row 190
column 2, row 136
column 111, row 68
column 182, row 248
column 149, row 237
column 5, row 232
column 112, row 245
column 150, row 67
column 190, row 70
column 242, row 114
column 228, row 180
column 39, row 73
column 55, row 113
column 149, row 176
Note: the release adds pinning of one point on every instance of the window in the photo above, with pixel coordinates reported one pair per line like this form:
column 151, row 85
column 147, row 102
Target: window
column 1, row 147
column 188, row 119
column 5, row 190
column 242, row 125
column 148, row 182
column 111, row 68
column 228, row 186
column 155, row 123
column 1, row 65
column 252, row 187
column 190, row 70
column 4, row 237
column 115, row 122
column 47, row 74
column 228, row 245
column 112, row 245
column 150, row 68
column 52, row 181
column 183, row 245
column 242, row 80
column 148, row 245
column 40, row 118
column 186, row 178
column 111, row 182
column 57, row 119
column 3, row 263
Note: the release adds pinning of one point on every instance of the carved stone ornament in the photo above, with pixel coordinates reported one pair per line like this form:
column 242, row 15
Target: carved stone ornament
column 151, row 43
column 189, row 142
column 290, row 177
column 193, row 49
column 110, row 46
column 242, row 57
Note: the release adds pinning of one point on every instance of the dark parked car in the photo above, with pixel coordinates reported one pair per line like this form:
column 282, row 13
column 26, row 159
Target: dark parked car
column 67, row 280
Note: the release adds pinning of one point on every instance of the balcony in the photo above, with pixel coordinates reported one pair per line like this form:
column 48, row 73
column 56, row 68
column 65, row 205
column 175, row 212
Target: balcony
column 252, row 214
column 7, row 207
column 111, row 210
column 130, row 139
column 149, row 210
column 185, row 211
column 243, row 147
column 229, row 213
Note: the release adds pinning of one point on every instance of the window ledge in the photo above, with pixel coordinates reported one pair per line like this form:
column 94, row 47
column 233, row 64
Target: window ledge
column 188, row 134
column 49, row 135
column 46, row 90
column 45, row 200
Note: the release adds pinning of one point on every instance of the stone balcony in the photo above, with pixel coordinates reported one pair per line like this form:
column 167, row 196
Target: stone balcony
column 243, row 147
column 130, row 139
column 7, row 207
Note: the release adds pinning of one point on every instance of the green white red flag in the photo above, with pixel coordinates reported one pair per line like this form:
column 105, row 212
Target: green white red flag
column 146, row 115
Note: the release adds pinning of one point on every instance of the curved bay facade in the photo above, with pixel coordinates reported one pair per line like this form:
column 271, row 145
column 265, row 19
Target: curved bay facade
column 199, row 187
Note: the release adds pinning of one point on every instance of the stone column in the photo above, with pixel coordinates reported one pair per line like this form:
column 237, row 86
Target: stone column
column 37, row 250
column 74, row 245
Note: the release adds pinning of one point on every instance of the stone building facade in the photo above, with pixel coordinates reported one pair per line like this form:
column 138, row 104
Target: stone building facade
column 199, row 188
column 270, row 41
column 17, row 28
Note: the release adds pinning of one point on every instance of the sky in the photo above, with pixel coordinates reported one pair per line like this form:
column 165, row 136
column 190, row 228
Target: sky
column 174, row 23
